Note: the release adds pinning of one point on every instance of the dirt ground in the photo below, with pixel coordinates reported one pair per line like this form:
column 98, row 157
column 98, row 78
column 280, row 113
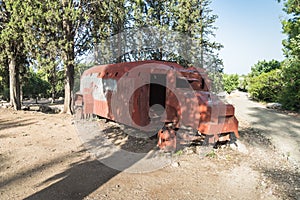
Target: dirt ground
column 42, row 156
column 281, row 127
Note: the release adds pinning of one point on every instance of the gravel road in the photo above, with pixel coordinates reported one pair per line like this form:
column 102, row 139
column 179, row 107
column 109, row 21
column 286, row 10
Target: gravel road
column 283, row 129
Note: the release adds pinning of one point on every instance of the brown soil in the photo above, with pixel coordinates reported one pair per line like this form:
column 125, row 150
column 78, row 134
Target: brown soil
column 42, row 157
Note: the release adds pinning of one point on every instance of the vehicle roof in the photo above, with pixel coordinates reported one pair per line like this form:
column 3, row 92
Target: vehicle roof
column 127, row 66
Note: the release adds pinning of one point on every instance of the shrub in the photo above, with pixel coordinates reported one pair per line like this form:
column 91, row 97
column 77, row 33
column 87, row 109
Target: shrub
column 230, row 82
column 266, row 86
column 34, row 86
column 243, row 83
column 290, row 96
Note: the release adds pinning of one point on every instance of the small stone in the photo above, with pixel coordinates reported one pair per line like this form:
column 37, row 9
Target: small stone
column 274, row 105
column 188, row 151
column 175, row 164
column 239, row 147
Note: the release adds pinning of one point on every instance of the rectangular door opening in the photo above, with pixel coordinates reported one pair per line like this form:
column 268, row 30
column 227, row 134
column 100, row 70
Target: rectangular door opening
column 157, row 91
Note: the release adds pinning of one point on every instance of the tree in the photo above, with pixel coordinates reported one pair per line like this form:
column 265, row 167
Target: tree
column 192, row 19
column 264, row 67
column 290, row 96
column 35, row 85
column 4, row 79
column 59, row 30
column 291, row 27
column 195, row 18
column 12, row 46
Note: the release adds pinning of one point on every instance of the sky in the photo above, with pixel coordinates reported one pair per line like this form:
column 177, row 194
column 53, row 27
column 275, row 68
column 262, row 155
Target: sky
column 250, row 31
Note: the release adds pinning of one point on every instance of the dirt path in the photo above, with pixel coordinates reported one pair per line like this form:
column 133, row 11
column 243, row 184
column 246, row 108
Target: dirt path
column 42, row 156
column 281, row 128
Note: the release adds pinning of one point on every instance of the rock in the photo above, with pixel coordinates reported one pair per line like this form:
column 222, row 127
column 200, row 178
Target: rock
column 57, row 108
column 175, row 164
column 222, row 94
column 188, row 151
column 238, row 146
column 5, row 105
column 45, row 108
column 60, row 98
column 273, row 105
column 27, row 107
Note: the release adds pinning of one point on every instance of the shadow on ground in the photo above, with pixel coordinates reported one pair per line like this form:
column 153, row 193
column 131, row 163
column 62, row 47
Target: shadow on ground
column 7, row 124
column 84, row 177
column 80, row 180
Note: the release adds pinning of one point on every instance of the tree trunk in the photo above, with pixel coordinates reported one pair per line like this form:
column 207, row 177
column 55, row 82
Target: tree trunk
column 14, row 85
column 69, row 85
column 201, row 35
column 69, row 81
column 68, row 59
column 53, row 83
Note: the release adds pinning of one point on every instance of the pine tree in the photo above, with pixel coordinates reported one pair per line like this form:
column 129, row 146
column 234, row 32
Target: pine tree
column 59, row 30
column 194, row 18
column 12, row 46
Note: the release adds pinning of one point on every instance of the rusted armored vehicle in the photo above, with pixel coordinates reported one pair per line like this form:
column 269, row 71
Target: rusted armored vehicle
column 157, row 96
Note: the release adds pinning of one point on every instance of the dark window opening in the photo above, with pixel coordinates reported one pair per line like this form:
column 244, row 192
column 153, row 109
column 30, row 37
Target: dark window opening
column 202, row 83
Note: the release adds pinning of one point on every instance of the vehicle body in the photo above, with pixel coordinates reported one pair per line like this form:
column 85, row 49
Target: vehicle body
column 137, row 93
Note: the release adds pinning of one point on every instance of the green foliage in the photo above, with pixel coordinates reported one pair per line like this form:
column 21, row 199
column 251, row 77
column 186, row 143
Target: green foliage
column 264, row 67
column 193, row 19
column 4, row 77
column 53, row 34
column 211, row 154
column 12, row 48
column 291, row 27
column 34, row 86
column 290, row 97
column 80, row 68
column 266, row 86
column 265, row 81
column 244, row 83
column 230, row 82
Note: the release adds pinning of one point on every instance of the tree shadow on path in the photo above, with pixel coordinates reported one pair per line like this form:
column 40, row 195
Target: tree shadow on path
column 77, row 182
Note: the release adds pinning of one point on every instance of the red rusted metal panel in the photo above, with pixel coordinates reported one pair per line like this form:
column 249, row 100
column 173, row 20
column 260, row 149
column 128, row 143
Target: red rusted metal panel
column 128, row 92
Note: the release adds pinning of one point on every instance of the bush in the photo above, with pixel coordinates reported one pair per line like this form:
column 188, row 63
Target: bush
column 264, row 67
column 243, row 83
column 35, row 86
column 290, row 96
column 230, row 82
column 266, row 86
